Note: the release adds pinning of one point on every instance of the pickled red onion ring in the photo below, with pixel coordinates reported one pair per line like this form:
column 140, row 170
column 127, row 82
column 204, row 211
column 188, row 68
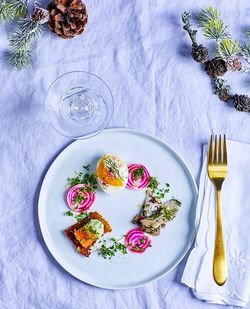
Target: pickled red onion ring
column 89, row 198
column 136, row 241
column 142, row 181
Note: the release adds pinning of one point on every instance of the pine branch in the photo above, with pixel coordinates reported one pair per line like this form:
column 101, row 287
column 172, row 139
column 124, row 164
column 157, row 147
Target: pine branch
column 6, row 11
column 227, row 48
column 215, row 29
column 245, row 51
column 187, row 26
column 21, row 41
column 12, row 9
column 206, row 15
column 19, row 59
column 210, row 21
column 221, row 84
column 20, row 7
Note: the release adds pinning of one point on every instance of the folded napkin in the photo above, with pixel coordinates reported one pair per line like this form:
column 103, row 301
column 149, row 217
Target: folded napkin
column 236, row 221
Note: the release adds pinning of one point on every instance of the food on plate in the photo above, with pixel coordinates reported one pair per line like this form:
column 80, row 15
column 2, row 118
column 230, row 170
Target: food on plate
column 155, row 213
column 136, row 241
column 112, row 247
column 112, row 173
column 138, row 176
column 78, row 199
column 87, row 231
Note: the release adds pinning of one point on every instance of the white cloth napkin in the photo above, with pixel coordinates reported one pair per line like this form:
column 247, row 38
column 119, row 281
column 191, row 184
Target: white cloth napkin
column 236, row 221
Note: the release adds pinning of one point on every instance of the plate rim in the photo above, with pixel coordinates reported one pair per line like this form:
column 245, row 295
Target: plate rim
column 59, row 260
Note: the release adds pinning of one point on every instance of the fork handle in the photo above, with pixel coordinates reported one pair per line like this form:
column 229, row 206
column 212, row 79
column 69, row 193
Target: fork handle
column 220, row 262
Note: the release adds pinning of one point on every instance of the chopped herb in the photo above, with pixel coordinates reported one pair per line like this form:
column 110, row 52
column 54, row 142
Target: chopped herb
column 110, row 251
column 112, row 166
column 90, row 180
column 153, row 183
column 81, row 216
column 138, row 173
column 170, row 213
column 68, row 213
column 158, row 192
column 86, row 167
column 79, row 198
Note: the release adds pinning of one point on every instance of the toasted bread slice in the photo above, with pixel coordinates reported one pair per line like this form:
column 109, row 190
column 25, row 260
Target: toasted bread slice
column 75, row 234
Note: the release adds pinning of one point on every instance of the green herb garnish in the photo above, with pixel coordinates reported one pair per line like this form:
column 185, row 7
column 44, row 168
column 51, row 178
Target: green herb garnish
column 78, row 217
column 153, row 183
column 108, row 252
column 112, row 166
column 138, row 173
column 86, row 167
column 158, row 192
column 81, row 215
column 90, row 180
column 170, row 213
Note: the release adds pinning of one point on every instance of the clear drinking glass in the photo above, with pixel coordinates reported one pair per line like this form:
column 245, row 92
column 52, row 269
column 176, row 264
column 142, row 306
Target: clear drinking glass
column 79, row 104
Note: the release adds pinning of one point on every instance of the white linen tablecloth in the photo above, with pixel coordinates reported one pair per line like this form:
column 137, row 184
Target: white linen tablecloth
column 140, row 50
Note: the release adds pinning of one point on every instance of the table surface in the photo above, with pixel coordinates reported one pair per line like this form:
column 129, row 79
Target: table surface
column 141, row 51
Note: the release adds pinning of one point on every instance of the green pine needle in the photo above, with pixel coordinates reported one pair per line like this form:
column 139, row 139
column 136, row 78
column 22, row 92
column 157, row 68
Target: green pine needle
column 245, row 51
column 215, row 29
column 206, row 15
column 20, row 7
column 6, row 11
column 227, row 48
column 12, row 9
column 21, row 41
column 19, row 59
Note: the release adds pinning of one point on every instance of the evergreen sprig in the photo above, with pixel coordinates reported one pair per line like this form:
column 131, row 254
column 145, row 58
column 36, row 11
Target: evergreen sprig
column 21, row 41
column 215, row 30
column 245, row 51
column 227, row 48
column 12, row 9
column 206, row 15
column 212, row 24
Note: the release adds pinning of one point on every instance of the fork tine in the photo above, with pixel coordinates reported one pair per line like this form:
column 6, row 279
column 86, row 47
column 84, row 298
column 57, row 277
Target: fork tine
column 224, row 150
column 220, row 159
column 215, row 149
column 210, row 150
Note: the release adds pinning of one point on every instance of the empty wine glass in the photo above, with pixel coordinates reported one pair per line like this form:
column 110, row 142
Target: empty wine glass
column 79, row 104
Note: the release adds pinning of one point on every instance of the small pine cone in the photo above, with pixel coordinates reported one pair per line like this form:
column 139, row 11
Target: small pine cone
column 67, row 17
column 199, row 53
column 241, row 103
column 40, row 15
column 216, row 67
column 223, row 95
column 234, row 64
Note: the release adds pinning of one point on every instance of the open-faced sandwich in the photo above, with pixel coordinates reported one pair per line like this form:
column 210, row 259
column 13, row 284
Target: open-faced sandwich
column 87, row 231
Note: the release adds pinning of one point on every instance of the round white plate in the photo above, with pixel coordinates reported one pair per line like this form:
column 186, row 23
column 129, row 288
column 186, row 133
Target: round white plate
column 131, row 270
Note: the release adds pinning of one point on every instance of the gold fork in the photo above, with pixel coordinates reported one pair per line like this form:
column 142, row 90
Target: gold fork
column 217, row 172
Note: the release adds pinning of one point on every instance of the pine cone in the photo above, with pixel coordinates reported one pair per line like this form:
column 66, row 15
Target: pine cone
column 224, row 95
column 199, row 53
column 67, row 17
column 241, row 103
column 234, row 64
column 216, row 67
column 40, row 15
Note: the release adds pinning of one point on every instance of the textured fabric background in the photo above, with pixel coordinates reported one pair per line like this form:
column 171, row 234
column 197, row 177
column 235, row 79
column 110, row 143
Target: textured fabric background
column 140, row 50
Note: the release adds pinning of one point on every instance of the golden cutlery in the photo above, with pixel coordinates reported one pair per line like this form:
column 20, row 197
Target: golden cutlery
column 217, row 172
